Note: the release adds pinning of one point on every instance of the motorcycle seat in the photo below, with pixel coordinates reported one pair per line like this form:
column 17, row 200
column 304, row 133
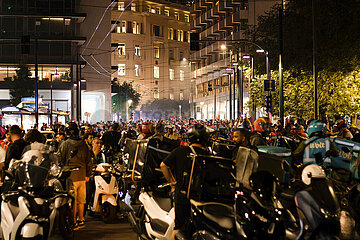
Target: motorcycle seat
column 163, row 202
column 219, row 213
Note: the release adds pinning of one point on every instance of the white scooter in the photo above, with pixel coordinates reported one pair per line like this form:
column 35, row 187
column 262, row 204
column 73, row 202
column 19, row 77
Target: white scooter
column 155, row 218
column 106, row 192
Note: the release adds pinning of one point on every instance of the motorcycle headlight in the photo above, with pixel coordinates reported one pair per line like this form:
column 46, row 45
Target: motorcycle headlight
column 55, row 170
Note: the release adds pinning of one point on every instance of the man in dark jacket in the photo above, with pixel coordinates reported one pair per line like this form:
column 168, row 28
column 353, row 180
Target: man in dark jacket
column 112, row 137
column 75, row 153
column 17, row 146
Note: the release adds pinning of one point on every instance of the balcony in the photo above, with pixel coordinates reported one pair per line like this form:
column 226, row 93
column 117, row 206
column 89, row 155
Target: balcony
column 224, row 6
column 238, row 35
column 239, row 17
column 203, row 19
column 224, row 24
column 195, row 56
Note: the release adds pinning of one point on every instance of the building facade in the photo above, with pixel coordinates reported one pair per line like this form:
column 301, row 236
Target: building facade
column 61, row 29
column 214, row 67
column 150, row 44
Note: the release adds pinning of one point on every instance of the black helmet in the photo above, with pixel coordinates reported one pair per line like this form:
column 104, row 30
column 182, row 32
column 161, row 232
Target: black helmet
column 198, row 134
column 72, row 129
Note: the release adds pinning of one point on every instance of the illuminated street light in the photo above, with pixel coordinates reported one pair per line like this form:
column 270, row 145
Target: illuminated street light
column 260, row 50
column 223, row 47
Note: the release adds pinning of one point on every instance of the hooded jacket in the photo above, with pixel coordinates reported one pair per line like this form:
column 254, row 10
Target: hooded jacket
column 75, row 153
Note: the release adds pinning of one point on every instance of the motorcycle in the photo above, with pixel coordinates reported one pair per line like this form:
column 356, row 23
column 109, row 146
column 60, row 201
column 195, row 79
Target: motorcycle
column 316, row 204
column 235, row 203
column 155, row 218
column 29, row 208
column 105, row 197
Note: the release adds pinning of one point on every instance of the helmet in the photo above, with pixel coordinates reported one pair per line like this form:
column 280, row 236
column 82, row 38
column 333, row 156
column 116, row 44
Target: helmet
column 341, row 124
column 72, row 129
column 312, row 171
column 316, row 126
column 198, row 134
column 147, row 128
column 261, row 123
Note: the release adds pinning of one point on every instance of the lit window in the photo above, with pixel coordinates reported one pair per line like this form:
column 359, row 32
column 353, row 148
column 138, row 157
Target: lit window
column 176, row 14
column 137, row 50
column 133, row 7
column 152, row 10
column 156, row 52
column 180, row 35
column 166, row 12
column 118, row 29
column 188, row 38
column 67, row 22
column 123, row 26
column 181, row 95
column 171, row 95
column 182, row 75
column 136, row 27
column 121, row 69
column 121, row 6
column 186, row 17
column 148, row 8
column 158, row 10
column 121, row 49
column 171, row 74
column 156, row 93
column 181, row 56
column 137, row 70
column 156, row 72
column 170, row 33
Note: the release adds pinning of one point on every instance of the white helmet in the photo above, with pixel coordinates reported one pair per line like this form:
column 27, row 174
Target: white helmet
column 312, row 171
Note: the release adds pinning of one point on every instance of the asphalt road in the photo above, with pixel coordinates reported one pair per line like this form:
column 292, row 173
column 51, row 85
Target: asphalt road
column 95, row 229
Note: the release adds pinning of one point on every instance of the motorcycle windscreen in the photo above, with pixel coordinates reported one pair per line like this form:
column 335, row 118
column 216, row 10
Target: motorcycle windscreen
column 323, row 192
column 223, row 148
column 136, row 150
column 32, row 175
column 246, row 164
column 212, row 179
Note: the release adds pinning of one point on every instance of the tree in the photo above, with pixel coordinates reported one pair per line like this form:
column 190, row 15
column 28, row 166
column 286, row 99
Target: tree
column 23, row 85
column 166, row 109
column 338, row 57
column 125, row 92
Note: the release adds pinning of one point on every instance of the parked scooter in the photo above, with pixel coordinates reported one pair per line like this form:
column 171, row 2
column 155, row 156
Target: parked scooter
column 105, row 197
column 29, row 208
column 317, row 206
column 155, row 218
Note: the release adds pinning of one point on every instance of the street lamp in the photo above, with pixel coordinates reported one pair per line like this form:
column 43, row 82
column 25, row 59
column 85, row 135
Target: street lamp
column 51, row 95
column 267, row 73
column 180, row 111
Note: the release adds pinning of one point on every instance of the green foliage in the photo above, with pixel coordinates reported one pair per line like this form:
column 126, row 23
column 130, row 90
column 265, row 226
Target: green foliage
column 23, row 85
column 338, row 57
column 125, row 92
column 339, row 93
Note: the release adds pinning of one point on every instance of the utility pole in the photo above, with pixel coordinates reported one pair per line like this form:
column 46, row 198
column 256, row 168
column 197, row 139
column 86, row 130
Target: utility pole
column 316, row 106
column 36, row 82
column 230, row 98
column 281, row 81
column 214, row 89
column 77, row 89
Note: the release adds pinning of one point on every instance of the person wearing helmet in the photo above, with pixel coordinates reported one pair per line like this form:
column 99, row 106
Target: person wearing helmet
column 112, row 137
column 173, row 168
column 355, row 132
column 317, row 148
column 75, row 152
column 343, row 132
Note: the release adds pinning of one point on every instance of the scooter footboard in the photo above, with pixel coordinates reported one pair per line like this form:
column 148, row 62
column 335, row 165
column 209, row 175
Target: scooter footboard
column 31, row 230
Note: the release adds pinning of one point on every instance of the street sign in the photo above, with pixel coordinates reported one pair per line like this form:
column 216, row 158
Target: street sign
column 269, row 85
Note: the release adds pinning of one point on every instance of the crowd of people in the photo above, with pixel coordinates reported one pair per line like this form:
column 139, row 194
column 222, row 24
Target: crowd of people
column 84, row 145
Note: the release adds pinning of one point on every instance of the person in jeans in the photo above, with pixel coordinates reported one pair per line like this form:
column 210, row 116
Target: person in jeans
column 74, row 152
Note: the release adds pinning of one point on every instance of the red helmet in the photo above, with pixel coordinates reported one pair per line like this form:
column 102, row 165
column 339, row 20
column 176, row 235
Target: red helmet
column 260, row 123
column 147, row 128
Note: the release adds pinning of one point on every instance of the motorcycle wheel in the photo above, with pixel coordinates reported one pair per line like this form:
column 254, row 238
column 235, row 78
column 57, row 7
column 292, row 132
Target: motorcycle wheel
column 108, row 212
column 66, row 222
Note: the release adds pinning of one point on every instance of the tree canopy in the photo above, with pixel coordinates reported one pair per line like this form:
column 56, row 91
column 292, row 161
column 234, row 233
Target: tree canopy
column 23, row 85
column 125, row 92
column 338, row 57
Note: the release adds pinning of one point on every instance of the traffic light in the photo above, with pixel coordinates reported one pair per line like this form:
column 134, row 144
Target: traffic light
column 209, row 86
column 194, row 42
column 268, row 104
column 25, row 44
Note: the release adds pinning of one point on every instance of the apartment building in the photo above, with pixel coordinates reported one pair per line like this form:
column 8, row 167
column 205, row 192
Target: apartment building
column 214, row 67
column 150, row 44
